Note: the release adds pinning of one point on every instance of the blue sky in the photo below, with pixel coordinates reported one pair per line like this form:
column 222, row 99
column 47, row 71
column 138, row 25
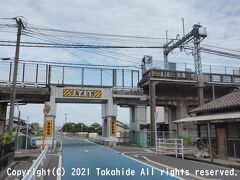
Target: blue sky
column 127, row 17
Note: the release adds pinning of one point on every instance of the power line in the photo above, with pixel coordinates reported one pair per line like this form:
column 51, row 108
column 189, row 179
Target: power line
column 96, row 34
column 221, row 48
column 58, row 45
column 103, row 54
column 48, row 38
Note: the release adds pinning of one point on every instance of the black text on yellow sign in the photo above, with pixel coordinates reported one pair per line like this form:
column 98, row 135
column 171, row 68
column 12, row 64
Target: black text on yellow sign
column 48, row 128
column 112, row 126
column 82, row 93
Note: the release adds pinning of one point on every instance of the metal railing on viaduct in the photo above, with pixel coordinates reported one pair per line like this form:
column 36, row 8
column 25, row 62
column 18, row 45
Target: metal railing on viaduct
column 44, row 75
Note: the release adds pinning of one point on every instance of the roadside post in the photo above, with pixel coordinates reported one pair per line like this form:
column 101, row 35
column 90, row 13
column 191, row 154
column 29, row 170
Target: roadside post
column 46, row 110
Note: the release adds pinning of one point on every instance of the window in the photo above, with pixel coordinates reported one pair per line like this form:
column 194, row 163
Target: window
column 233, row 130
column 203, row 131
column 212, row 131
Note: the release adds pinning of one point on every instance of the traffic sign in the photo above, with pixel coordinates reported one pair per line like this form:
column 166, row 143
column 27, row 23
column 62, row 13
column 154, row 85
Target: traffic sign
column 112, row 126
column 48, row 128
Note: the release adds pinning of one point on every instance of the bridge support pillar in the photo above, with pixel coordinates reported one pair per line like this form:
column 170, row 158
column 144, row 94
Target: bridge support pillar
column 200, row 91
column 3, row 113
column 180, row 111
column 109, row 113
column 152, row 102
column 138, row 115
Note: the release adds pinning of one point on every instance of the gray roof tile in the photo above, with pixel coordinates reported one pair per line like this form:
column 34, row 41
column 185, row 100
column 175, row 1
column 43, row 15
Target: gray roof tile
column 228, row 101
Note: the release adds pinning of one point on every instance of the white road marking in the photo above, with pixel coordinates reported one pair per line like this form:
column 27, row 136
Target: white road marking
column 169, row 167
column 160, row 170
column 148, row 150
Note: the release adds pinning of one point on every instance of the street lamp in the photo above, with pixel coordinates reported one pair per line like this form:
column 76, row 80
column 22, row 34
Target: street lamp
column 81, row 127
column 65, row 128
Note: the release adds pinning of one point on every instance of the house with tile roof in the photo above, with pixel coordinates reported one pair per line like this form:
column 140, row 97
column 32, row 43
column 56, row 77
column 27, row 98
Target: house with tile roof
column 220, row 119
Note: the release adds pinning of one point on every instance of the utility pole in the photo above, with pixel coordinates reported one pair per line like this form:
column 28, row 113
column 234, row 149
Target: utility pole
column 15, row 72
column 26, row 140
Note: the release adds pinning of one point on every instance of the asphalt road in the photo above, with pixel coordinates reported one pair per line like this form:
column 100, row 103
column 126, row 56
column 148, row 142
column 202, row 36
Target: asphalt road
column 81, row 160
column 197, row 170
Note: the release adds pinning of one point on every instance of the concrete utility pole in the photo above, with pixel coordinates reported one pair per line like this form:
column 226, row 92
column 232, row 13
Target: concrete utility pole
column 26, row 140
column 14, row 81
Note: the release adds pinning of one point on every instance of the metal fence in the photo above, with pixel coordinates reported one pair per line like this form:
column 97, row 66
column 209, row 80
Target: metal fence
column 190, row 76
column 189, row 67
column 44, row 75
column 166, row 146
column 32, row 74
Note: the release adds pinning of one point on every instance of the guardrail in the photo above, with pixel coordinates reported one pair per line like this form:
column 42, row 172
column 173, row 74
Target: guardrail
column 169, row 147
column 36, row 163
column 104, row 140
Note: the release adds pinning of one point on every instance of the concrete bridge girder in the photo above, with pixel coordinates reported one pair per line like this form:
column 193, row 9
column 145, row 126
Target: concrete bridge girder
column 54, row 94
column 109, row 109
column 179, row 95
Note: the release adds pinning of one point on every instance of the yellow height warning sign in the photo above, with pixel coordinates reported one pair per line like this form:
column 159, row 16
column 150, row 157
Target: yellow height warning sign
column 112, row 126
column 83, row 93
column 48, row 128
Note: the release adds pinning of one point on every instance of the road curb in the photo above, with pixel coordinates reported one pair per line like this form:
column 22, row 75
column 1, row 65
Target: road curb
column 214, row 163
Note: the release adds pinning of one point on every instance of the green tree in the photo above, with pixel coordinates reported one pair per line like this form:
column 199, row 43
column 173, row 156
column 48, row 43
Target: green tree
column 37, row 129
column 69, row 127
column 96, row 128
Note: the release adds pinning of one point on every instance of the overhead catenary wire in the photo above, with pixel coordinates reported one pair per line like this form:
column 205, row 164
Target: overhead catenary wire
column 58, row 39
column 52, row 40
column 96, row 34
column 34, row 31
column 99, row 53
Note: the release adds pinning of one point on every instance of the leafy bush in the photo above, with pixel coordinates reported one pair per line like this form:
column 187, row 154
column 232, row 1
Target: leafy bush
column 187, row 141
column 6, row 139
column 6, row 144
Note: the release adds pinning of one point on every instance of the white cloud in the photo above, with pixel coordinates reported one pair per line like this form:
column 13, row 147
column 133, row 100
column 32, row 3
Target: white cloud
column 135, row 17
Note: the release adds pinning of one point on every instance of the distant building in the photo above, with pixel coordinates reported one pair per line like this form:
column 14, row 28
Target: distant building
column 223, row 116
column 121, row 127
column 21, row 126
